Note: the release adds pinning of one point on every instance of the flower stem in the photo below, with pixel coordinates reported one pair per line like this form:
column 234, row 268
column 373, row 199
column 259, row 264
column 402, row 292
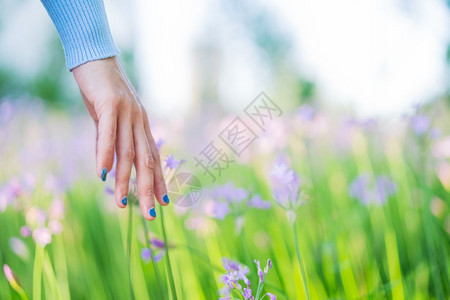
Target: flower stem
column 168, row 266
column 130, row 232
column 37, row 272
column 155, row 268
column 260, row 287
column 300, row 261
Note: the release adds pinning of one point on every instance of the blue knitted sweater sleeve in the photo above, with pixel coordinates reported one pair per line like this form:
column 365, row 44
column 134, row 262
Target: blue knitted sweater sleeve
column 83, row 29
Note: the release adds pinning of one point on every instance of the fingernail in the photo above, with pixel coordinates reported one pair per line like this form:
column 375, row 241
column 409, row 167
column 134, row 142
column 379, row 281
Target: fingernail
column 104, row 174
column 124, row 201
column 152, row 212
column 166, row 198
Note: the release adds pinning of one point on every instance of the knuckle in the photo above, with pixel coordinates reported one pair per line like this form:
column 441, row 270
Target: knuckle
column 137, row 114
column 110, row 133
column 130, row 154
column 157, row 160
column 147, row 191
column 149, row 163
column 123, row 181
column 116, row 98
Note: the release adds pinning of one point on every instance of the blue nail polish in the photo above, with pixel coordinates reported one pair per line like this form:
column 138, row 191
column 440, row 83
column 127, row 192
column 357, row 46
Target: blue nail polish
column 104, row 174
column 152, row 212
column 166, row 198
column 124, row 201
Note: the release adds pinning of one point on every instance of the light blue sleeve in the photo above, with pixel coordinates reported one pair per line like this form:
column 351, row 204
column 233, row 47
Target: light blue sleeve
column 83, row 29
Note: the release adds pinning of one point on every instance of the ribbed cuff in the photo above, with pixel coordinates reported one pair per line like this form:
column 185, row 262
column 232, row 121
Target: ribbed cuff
column 83, row 28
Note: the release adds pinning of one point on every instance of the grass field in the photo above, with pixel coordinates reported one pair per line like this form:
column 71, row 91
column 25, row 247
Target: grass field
column 370, row 218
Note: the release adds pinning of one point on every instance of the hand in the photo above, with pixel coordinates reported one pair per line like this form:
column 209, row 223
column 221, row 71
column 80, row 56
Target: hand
column 122, row 128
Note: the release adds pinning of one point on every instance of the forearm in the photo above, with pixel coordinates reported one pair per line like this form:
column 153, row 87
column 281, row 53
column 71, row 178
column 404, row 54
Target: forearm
column 83, row 28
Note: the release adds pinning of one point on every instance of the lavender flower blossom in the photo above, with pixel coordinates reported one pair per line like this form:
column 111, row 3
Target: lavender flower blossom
column 9, row 193
column 420, row 124
column 19, row 247
column 230, row 193
column 6, row 112
column 55, row 226
column 157, row 251
column 158, row 243
column 260, row 272
column 248, row 293
column 159, row 144
column 42, row 236
column 228, row 196
column 372, row 191
column 109, row 191
column 285, row 185
column 220, row 210
column 237, row 272
column 306, row 112
column 171, row 162
column 257, row 202
column 9, row 275
column 146, row 254
column 25, row 231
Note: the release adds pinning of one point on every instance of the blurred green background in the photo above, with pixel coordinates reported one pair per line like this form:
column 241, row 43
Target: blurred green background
column 365, row 104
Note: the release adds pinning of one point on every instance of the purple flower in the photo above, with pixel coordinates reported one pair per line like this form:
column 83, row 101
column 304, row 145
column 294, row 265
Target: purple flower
column 233, row 266
column 236, row 272
column 271, row 296
column 109, row 190
column 359, row 188
column 6, row 111
column 159, row 144
column 220, row 210
column 231, row 280
column 285, row 185
column 230, row 193
column 55, row 226
column 158, row 243
column 25, row 231
column 42, row 236
column 18, row 247
column 420, row 124
column 385, row 188
column 9, row 274
column 57, row 209
column 158, row 256
column 248, row 293
column 268, row 266
column 370, row 191
column 9, row 193
column 36, row 217
column 157, row 251
column 258, row 202
column 260, row 272
column 306, row 112
column 146, row 254
column 171, row 162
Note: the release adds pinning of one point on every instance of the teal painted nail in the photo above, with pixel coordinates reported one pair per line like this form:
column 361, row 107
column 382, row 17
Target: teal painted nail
column 166, row 198
column 152, row 212
column 104, row 171
column 124, row 201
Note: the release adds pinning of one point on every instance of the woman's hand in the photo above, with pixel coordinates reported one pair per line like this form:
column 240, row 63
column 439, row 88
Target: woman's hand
column 122, row 128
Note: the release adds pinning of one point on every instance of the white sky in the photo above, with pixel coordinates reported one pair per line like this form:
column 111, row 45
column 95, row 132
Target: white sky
column 368, row 54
